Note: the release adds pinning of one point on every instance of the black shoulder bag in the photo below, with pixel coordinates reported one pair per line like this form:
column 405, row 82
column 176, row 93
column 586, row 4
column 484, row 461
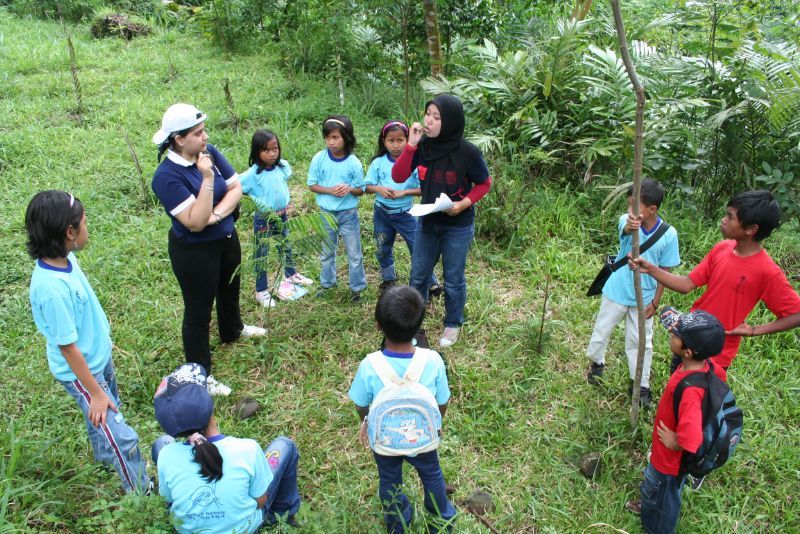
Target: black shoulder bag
column 609, row 265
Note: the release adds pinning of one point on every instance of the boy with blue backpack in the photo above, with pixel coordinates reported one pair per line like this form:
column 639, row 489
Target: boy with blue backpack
column 697, row 423
column 401, row 394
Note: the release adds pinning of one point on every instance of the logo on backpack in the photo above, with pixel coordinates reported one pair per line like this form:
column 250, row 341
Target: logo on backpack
column 404, row 417
column 722, row 423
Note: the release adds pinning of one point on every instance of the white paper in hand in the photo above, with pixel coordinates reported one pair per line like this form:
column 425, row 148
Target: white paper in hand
column 442, row 203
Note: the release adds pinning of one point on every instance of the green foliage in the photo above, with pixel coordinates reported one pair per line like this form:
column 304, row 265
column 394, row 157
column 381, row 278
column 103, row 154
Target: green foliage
column 557, row 103
column 72, row 10
column 518, row 418
column 81, row 10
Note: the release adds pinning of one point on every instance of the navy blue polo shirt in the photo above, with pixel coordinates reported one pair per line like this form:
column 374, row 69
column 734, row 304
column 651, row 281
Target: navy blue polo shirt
column 177, row 183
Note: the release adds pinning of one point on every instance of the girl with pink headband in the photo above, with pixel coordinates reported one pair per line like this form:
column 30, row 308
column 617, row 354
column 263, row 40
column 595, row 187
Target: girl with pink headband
column 392, row 202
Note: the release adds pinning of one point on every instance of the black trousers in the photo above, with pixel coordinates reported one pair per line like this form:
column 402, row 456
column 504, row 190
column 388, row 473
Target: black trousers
column 205, row 272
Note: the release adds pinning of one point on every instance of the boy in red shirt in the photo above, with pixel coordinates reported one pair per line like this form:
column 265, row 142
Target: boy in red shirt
column 694, row 338
column 738, row 273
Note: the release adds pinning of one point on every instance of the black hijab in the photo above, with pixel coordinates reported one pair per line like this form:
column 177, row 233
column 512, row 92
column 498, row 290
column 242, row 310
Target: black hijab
column 451, row 136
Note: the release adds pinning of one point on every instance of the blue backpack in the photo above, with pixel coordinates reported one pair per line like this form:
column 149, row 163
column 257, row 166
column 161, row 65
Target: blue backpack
column 404, row 418
column 722, row 423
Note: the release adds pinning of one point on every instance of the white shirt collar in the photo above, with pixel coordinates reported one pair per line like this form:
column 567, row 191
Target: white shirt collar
column 177, row 158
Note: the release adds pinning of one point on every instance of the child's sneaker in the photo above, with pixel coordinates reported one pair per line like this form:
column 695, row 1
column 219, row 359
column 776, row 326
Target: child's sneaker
column 695, row 483
column 253, row 331
column 265, row 299
column 355, row 297
column 635, row 506
column 323, row 292
column 644, row 397
column 595, row 373
column 298, row 278
column 216, row 388
column 449, row 336
column 386, row 284
column 435, row 291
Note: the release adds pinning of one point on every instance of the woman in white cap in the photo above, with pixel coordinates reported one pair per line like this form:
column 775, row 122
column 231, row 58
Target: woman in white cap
column 216, row 483
column 200, row 191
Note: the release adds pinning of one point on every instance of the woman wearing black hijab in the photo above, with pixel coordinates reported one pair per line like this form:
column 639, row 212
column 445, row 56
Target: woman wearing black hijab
column 446, row 163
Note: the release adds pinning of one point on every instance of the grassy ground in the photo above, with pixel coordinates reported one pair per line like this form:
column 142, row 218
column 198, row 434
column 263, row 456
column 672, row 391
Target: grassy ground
column 519, row 417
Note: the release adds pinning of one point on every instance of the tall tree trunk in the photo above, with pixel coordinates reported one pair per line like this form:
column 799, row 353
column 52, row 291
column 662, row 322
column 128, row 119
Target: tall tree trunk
column 432, row 30
column 637, row 180
column 405, row 17
column 581, row 9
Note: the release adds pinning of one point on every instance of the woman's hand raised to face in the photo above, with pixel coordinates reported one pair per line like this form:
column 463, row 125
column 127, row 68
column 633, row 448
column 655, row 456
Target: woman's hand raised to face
column 415, row 134
column 204, row 165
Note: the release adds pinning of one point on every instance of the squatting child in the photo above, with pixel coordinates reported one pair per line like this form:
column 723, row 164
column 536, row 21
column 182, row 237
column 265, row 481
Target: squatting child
column 266, row 182
column 69, row 316
column 399, row 313
column 337, row 177
column 738, row 273
column 216, row 483
column 619, row 299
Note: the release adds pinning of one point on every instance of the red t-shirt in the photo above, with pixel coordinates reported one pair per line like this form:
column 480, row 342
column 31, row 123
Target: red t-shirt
column 735, row 284
column 689, row 426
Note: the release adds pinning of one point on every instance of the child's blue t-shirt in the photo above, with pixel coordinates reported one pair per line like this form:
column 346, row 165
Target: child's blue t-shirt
column 380, row 174
column 269, row 188
column 224, row 506
column 664, row 253
column 327, row 171
column 367, row 384
column 66, row 310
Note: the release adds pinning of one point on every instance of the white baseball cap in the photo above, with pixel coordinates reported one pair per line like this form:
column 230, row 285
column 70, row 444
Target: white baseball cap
column 178, row 117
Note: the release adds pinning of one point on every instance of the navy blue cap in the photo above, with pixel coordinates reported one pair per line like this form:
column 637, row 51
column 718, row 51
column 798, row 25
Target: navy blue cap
column 182, row 402
column 699, row 330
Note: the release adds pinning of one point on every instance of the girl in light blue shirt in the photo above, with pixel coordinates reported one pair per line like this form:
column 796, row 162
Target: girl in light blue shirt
column 337, row 177
column 392, row 202
column 69, row 316
column 266, row 182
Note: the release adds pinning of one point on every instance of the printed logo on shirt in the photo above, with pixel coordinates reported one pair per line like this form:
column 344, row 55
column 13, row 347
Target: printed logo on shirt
column 450, row 177
column 739, row 288
column 205, row 496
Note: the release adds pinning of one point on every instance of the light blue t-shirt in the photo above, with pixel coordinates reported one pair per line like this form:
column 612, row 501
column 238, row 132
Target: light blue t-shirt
column 367, row 384
column 66, row 310
column 327, row 171
column 380, row 173
column 664, row 253
column 224, row 506
column 269, row 188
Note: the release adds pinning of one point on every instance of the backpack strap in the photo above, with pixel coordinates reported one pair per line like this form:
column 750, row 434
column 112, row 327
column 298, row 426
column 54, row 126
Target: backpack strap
column 662, row 229
column 383, row 369
column 699, row 380
column 417, row 366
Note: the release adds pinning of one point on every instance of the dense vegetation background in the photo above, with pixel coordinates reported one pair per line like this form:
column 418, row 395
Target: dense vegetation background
column 547, row 100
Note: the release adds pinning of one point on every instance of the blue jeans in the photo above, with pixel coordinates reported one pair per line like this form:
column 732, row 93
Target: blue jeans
column 397, row 510
column 661, row 500
column 282, row 496
column 114, row 443
column 348, row 227
column 452, row 244
column 265, row 226
column 386, row 227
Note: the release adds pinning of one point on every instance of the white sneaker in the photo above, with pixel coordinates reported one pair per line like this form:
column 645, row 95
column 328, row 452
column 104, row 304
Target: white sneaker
column 298, row 278
column 265, row 299
column 253, row 331
column 449, row 336
column 215, row 388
